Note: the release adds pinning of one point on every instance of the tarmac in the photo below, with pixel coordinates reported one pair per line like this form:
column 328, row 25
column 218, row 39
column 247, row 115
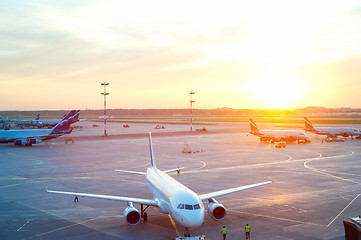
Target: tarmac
column 314, row 186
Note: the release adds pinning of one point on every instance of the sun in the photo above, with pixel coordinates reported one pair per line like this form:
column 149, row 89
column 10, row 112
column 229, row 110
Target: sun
column 276, row 88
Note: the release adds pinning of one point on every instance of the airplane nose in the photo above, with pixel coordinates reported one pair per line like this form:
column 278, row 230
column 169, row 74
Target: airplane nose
column 195, row 219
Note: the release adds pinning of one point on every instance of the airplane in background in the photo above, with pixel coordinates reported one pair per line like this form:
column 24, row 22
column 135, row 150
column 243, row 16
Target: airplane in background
column 331, row 132
column 33, row 123
column 277, row 135
column 28, row 137
column 171, row 197
column 105, row 117
column 49, row 123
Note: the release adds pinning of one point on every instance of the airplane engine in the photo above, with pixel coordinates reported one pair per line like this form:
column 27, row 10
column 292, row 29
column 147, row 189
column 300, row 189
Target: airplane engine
column 34, row 141
column 132, row 215
column 216, row 211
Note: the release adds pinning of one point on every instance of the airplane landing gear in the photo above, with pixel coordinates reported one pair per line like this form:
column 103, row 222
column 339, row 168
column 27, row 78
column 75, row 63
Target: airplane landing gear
column 145, row 217
column 143, row 214
column 187, row 234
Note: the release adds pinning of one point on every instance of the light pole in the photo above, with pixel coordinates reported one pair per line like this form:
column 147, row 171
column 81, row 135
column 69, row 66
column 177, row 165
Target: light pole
column 191, row 102
column 105, row 106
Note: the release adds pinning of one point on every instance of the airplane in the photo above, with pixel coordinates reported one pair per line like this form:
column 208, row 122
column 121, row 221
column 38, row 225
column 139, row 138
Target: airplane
column 171, row 197
column 105, row 117
column 331, row 132
column 277, row 135
column 32, row 136
column 33, row 123
column 41, row 123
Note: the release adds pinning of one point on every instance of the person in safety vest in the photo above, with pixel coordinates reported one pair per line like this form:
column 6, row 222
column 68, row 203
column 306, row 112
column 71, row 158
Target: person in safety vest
column 76, row 199
column 224, row 232
column 247, row 229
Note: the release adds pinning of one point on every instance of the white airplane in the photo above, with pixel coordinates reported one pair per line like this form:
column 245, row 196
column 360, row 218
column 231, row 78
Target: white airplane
column 331, row 131
column 40, row 123
column 28, row 137
column 49, row 123
column 171, row 197
column 277, row 135
column 105, row 117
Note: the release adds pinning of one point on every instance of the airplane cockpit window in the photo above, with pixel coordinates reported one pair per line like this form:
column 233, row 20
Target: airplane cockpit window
column 189, row 207
column 180, row 206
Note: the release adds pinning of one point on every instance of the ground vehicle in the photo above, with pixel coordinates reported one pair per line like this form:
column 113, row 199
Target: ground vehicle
column 338, row 139
column 280, row 144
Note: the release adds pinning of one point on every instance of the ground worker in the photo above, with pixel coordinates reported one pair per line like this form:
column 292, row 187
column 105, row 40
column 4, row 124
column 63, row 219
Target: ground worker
column 76, row 198
column 247, row 229
column 224, row 232
column 178, row 171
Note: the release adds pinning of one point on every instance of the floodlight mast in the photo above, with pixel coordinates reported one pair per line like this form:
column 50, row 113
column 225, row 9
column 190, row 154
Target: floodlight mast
column 105, row 106
column 191, row 103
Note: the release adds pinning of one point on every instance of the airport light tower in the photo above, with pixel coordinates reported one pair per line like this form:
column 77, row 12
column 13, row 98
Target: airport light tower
column 105, row 84
column 191, row 103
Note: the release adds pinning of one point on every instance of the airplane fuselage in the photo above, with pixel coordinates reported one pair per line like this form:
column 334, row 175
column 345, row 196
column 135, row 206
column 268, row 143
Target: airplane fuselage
column 332, row 131
column 174, row 198
column 9, row 135
column 285, row 135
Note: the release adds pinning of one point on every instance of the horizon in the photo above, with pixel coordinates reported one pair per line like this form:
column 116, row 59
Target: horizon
column 187, row 109
column 252, row 55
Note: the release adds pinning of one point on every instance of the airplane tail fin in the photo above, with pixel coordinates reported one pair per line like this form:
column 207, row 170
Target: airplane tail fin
column 37, row 117
column 152, row 161
column 254, row 128
column 308, row 125
column 63, row 126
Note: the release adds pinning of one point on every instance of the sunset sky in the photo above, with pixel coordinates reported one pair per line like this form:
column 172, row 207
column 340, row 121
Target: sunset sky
column 238, row 54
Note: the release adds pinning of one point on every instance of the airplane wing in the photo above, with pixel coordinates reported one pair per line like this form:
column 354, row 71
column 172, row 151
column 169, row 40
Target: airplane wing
column 143, row 173
column 110, row 197
column 231, row 190
column 173, row 170
column 140, row 173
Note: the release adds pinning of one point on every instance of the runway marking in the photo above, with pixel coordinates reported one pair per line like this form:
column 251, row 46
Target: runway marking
column 343, row 210
column 71, row 178
column 58, row 229
column 174, row 225
column 324, row 172
column 272, row 163
column 18, row 184
column 279, row 218
column 22, row 226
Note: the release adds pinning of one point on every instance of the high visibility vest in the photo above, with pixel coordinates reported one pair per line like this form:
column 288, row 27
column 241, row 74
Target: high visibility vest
column 224, row 231
column 248, row 228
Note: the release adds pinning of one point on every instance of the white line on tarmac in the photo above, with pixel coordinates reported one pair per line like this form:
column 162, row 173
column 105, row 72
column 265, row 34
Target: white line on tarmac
column 343, row 210
column 23, row 226
column 278, row 218
column 69, row 226
column 324, row 172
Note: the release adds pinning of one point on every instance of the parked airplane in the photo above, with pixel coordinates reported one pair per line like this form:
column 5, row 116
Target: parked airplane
column 171, row 197
column 28, row 137
column 277, row 135
column 331, row 131
column 41, row 123
column 32, row 123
